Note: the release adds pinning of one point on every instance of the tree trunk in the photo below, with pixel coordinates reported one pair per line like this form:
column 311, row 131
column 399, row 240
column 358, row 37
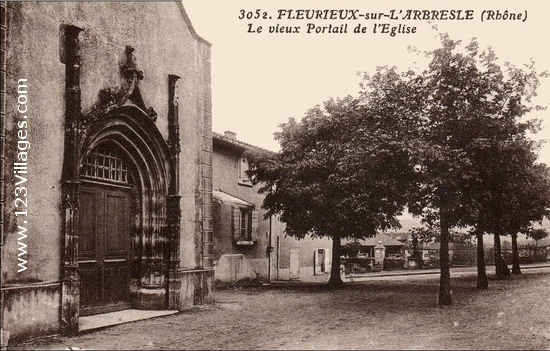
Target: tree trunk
column 501, row 268
column 445, row 298
column 482, row 282
column 515, row 255
column 335, row 278
column 415, row 245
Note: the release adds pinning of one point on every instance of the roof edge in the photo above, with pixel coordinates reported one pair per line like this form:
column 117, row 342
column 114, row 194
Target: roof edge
column 227, row 197
column 242, row 144
column 190, row 24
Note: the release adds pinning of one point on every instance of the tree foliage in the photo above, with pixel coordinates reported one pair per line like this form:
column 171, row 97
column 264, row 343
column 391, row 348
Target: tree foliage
column 449, row 142
column 343, row 171
column 537, row 234
column 475, row 150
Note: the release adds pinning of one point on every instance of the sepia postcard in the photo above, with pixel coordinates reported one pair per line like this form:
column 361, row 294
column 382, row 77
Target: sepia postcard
column 247, row 175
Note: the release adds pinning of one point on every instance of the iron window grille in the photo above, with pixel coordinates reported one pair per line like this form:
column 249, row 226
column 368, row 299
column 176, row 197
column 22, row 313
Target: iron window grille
column 107, row 165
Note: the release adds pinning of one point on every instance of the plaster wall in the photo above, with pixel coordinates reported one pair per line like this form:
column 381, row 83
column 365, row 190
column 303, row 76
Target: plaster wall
column 226, row 179
column 164, row 44
column 31, row 311
column 307, row 248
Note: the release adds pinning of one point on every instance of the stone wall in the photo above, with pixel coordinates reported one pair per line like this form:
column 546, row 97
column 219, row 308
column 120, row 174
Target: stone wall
column 164, row 43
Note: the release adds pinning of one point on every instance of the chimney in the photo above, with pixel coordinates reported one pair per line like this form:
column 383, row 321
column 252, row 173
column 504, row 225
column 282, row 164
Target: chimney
column 229, row 134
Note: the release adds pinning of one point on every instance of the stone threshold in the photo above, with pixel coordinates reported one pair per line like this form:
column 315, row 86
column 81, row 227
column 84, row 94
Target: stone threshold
column 105, row 320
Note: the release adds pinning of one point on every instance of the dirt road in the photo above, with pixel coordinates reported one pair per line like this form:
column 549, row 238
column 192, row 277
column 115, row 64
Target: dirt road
column 399, row 313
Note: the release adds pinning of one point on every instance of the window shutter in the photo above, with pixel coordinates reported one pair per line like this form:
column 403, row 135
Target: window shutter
column 316, row 265
column 255, row 225
column 236, row 223
column 327, row 262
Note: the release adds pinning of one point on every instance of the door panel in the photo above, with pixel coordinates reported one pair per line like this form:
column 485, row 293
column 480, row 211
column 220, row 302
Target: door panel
column 294, row 263
column 116, row 291
column 104, row 220
column 90, row 285
column 115, row 228
column 87, row 214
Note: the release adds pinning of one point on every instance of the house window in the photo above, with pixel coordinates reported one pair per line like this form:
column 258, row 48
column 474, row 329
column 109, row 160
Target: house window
column 320, row 261
column 243, row 167
column 245, row 225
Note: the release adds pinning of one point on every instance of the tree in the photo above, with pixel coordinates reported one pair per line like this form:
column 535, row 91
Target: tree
column 473, row 146
column 351, row 249
column 453, row 94
column 537, row 234
column 482, row 281
column 343, row 171
column 509, row 206
column 505, row 158
column 420, row 236
column 527, row 201
column 436, row 140
column 431, row 232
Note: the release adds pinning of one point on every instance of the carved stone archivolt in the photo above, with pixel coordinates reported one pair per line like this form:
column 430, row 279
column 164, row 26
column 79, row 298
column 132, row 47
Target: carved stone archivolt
column 121, row 117
column 112, row 97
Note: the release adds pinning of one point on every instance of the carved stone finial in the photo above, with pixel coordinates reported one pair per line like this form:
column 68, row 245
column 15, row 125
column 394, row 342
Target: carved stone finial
column 129, row 69
column 152, row 114
column 111, row 97
column 107, row 97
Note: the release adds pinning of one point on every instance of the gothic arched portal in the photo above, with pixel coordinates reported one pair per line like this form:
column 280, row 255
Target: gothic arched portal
column 125, row 172
column 120, row 197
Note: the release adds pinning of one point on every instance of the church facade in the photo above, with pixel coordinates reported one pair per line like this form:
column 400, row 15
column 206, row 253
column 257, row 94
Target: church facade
column 106, row 163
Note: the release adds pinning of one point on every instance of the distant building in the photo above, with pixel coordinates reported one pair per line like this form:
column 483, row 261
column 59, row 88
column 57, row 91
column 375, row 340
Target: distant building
column 247, row 246
column 391, row 245
column 106, row 174
column 403, row 237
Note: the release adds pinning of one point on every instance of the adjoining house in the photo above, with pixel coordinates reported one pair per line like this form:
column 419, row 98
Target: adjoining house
column 106, row 163
column 247, row 246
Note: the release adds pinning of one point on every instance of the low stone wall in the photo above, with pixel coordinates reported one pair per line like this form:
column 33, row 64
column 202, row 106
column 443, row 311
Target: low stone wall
column 31, row 310
column 306, row 275
column 233, row 268
column 195, row 288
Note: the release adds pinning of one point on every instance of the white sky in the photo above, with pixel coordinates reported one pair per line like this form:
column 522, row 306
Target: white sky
column 260, row 80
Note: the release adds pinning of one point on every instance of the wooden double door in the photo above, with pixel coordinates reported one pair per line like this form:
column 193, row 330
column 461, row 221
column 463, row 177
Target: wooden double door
column 104, row 248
